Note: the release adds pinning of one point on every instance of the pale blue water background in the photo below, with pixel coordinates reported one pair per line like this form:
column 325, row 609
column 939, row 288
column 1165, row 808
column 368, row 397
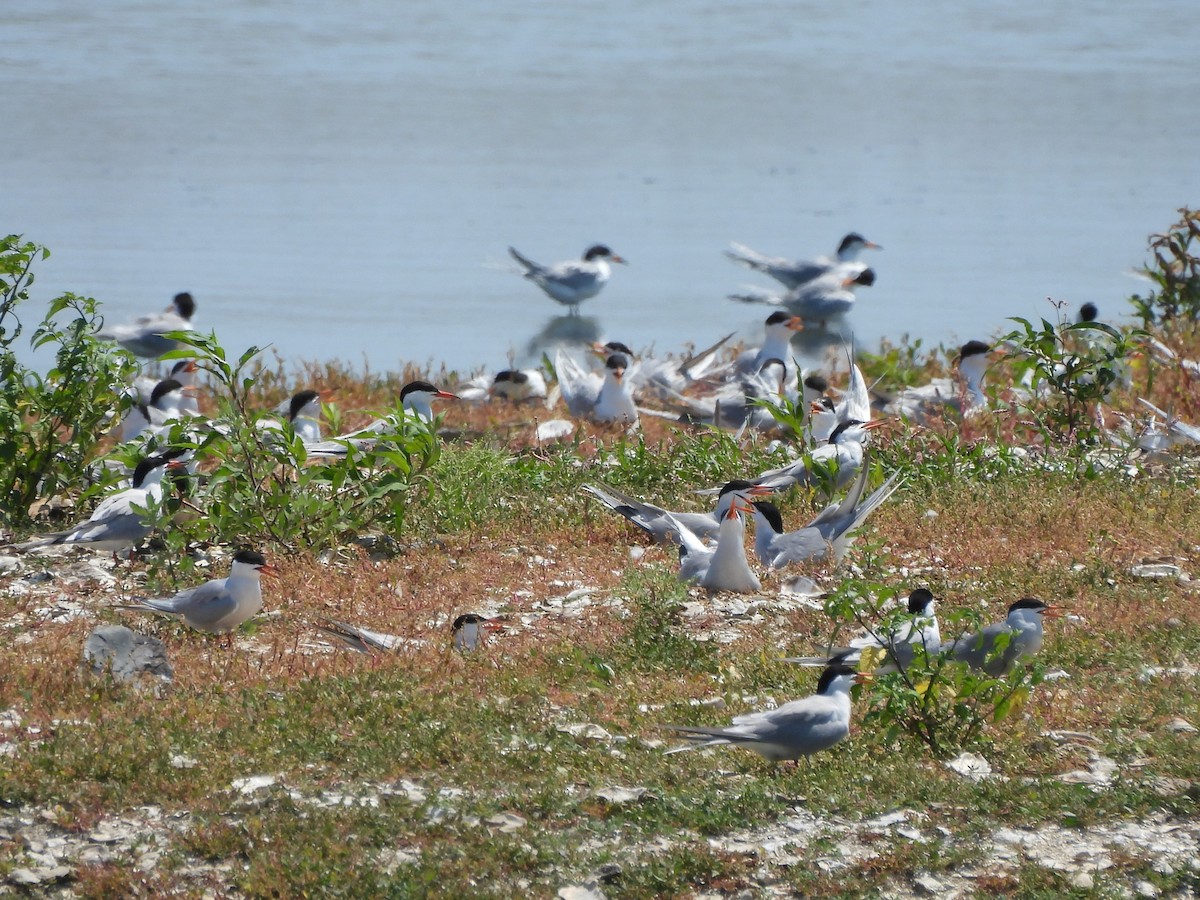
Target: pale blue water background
column 342, row 180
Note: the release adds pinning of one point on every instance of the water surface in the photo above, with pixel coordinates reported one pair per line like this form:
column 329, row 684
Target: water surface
column 343, row 180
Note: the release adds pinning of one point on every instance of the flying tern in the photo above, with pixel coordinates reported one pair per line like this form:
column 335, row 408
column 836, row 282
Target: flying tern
column 571, row 282
column 119, row 521
column 900, row 645
column 144, row 336
column 794, row 273
column 220, row 605
column 795, row 729
column 826, row 536
column 998, row 648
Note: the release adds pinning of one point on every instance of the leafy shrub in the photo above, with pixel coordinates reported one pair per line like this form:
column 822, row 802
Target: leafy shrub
column 1079, row 364
column 937, row 700
column 50, row 425
column 257, row 487
column 1176, row 274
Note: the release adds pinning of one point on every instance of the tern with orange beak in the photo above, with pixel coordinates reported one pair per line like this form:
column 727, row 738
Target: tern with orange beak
column 723, row 568
column 220, row 605
column 795, row 729
column 845, row 448
column 825, row 537
column 663, row 525
column 120, row 521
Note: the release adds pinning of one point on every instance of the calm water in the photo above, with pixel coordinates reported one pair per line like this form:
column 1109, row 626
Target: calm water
column 342, row 180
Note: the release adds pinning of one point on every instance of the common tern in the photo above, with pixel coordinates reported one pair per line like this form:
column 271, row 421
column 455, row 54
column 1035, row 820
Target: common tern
column 467, row 634
column 1178, row 431
column 723, row 568
column 777, row 342
column 821, row 301
column 519, row 385
column 184, row 371
column 825, row 537
column 964, row 394
column 998, row 648
column 606, row 398
column 219, row 605
column 663, row 526
column 144, row 336
column 303, row 411
column 795, row 729
column 416, row 399
column 920, row 633
column 571, row 282
column 844, row 450
column 164, row 406
column 669, row 375
column 119, row 521
column 793, row 273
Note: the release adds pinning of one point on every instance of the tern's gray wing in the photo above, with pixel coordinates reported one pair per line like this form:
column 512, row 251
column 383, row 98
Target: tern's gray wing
column 579, row 388
column 789, row 272
column 115, row 524
column 981, row 650
column 646, row 516
column 573, row 276
column 361, row 639
column 793, row 730
column 204, row 607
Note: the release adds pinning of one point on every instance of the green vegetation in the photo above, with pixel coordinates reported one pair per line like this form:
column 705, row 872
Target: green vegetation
column 537, row 762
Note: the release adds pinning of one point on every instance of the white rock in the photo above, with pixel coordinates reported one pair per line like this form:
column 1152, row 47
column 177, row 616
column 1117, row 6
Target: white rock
column 970, row 765
column 1083, row 881
column 586, row 731
column 927, row 884
column 506, row 823
column 1182, row 726
column 617, row 795
column 179, row 761
column 589, row 890
column 1145, row 889
column 253, row 783
column 1155, row 570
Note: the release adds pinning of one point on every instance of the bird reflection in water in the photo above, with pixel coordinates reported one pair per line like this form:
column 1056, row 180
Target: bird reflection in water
column 569, row 332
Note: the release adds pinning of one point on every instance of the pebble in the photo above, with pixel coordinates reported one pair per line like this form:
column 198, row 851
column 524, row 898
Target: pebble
column 1082, row 881
column 40, row 875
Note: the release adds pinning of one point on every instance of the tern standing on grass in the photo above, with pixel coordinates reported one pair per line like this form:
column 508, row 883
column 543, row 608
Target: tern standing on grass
column 220, row 605
column 998, row 648
column 799, row 728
